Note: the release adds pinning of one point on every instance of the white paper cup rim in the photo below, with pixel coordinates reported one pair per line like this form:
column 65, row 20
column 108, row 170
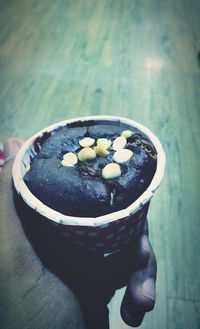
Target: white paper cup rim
column 58, row 217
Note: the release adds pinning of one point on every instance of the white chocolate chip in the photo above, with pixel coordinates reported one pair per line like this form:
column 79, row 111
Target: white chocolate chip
column 69, row 159
column 87, row 142
column 87, row 153
column 104, row 142
column 119, row 143
column 102, row 152
column 122, row 155
column 127, row 133
column 111, row 170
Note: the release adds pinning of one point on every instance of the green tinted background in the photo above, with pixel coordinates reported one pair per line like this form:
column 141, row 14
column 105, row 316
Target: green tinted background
column 134, row 58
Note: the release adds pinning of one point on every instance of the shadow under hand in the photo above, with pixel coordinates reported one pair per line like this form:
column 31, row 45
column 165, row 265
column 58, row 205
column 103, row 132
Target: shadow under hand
column 92, row 277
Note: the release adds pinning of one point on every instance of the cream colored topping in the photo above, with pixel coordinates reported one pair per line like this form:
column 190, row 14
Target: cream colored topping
column 87, row 153
column 69, row 159
column 119, row 143
column 122, row 155
column 111, row 170
column 104, row 142
column 87, row 142
column 127, row 133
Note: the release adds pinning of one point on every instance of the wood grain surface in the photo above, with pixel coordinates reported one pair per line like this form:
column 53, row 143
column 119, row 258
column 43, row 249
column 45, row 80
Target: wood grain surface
column 66, row 58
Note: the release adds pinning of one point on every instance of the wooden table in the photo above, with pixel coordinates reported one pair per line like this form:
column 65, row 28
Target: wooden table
column 138, row 59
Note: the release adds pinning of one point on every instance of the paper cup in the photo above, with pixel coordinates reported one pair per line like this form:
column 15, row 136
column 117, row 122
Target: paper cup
column 105, row 234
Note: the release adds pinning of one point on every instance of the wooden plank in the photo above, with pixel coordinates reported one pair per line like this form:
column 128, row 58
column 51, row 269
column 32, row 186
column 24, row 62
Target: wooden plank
column 183, row 314
column 130, row 58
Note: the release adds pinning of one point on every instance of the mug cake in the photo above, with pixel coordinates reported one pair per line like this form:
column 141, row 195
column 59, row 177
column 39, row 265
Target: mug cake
column 92, row 178
column 92, row 170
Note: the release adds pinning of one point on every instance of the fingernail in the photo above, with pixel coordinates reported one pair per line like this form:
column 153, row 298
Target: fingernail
column 2, row 156
column 11, row 147
column 145, row 243
column 148, row 289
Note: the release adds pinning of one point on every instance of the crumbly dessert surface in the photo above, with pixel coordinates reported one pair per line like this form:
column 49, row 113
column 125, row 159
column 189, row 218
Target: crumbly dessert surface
column 92, row 170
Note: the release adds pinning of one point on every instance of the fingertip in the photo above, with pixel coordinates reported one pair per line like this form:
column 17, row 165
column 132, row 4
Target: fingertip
column 8, row 151
column 133, row 308
column 133, row 317
column 2, row 157
column 139, row 298
column 149, row 292
column 11, row 147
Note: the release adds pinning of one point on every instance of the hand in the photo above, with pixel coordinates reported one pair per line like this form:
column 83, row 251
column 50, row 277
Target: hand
column 134, row 267
column 31, row 296
column 92, row 278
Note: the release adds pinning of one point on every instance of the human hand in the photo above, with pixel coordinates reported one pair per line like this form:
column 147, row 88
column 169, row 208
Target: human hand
column 31, row 296
column 92, row 277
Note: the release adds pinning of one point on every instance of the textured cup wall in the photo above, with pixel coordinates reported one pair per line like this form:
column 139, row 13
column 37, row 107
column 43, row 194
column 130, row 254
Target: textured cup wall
column 107, row 238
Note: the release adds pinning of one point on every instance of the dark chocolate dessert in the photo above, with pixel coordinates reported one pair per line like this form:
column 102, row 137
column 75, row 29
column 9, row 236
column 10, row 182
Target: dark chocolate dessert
column 92, row 170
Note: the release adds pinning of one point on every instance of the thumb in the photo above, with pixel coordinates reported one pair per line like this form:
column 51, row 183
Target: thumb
column 139, row 297
column 8, row 151
column 11, row 146
column 15, row 248
column 8, row 214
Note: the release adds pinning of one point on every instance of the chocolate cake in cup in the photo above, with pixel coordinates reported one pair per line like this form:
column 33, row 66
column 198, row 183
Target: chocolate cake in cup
column 92, row 177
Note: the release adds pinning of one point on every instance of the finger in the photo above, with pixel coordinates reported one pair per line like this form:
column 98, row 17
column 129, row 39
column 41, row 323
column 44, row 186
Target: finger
column 2, row 156
column 9, row 149
column 136, row 254
column 143, row 248
column 139, row 297
column 8, row 152
column 9, row 225
column 11, row 146
column 132, row 257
